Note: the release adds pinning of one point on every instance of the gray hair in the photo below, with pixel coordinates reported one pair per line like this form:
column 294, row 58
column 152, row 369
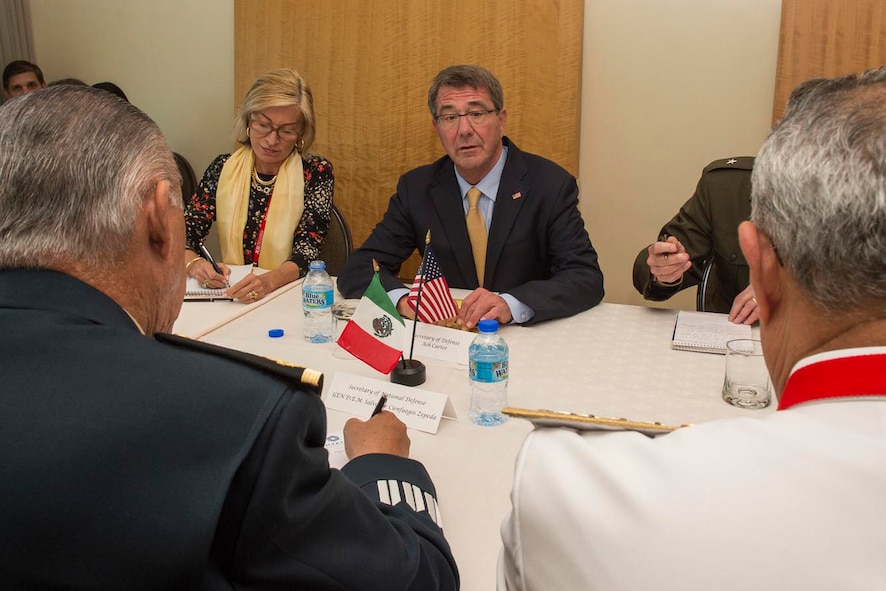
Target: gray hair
column 278, row 88
column 75, row 166
column 819, row 189
column 466, row 76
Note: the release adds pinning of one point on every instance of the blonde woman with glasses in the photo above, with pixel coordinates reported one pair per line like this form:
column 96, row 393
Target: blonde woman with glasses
column 271, row 198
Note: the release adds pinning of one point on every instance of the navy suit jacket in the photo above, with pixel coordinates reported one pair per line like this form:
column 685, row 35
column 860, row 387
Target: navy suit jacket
column 138, row 463
column 538, row 249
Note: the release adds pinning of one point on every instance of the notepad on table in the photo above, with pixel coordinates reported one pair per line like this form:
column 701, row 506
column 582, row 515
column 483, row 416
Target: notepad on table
column 195, row 290
column 706, row 332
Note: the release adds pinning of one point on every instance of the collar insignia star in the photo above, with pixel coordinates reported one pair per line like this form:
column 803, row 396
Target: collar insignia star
column 731, row 161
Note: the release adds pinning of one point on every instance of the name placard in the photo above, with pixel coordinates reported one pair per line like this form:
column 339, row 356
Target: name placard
column 419, row 409
column 439, row 342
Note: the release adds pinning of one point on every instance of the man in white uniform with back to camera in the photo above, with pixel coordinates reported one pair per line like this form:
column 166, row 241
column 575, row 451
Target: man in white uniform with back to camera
column 793, row 500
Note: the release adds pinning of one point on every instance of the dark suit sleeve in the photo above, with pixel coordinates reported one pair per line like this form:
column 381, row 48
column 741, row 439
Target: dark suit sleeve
column 292, row 522
column 390, row 243
column 576, row 281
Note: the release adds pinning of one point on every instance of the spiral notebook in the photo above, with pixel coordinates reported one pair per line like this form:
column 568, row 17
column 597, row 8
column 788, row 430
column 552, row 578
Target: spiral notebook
column 194, row 290
column 706, row 332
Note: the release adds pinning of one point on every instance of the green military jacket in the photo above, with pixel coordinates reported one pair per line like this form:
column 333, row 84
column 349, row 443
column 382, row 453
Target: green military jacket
column 707, row 226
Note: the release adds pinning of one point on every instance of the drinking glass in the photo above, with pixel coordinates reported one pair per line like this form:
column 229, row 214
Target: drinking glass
column 747, row 383
column 342, row 310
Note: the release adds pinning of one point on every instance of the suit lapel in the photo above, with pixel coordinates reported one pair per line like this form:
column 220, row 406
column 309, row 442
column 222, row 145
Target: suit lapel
column 512, row 193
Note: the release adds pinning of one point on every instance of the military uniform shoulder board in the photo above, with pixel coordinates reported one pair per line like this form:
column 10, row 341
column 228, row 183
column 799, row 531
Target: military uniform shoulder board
column 739, row 162
column 307, row 378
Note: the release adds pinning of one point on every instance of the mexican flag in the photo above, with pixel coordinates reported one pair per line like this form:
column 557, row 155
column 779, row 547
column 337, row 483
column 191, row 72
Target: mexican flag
column 375, row 333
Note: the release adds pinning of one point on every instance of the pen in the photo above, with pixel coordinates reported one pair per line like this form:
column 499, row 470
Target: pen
column 187, row 299
column 211, row 260
column 380, row 406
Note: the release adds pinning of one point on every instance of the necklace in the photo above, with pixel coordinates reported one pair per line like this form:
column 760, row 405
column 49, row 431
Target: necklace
column 264, row 186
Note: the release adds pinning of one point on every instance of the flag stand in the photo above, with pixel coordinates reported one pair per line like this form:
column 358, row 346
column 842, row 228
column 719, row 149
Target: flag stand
column 412, row 372
column 409, row 372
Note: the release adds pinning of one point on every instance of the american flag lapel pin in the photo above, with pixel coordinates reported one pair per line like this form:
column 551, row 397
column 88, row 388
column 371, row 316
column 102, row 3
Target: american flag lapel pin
column 517, row 195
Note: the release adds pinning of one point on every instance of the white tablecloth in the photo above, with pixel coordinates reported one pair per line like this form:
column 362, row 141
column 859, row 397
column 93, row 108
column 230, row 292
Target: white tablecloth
column 613, row 360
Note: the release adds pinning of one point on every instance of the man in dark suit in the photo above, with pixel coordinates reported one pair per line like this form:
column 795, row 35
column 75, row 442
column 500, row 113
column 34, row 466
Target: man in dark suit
column 132, row 462
column 530, row 258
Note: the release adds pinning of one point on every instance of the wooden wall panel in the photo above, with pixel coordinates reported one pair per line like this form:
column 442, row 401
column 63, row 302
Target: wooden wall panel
column 827, row 38
column 369, row 64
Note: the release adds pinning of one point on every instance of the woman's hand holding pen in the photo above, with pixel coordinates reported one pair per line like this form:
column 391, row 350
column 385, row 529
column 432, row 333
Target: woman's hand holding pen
column 668, row 260
column 203, row 271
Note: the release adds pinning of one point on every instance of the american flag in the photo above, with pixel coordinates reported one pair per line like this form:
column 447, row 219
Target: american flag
column 436, row 301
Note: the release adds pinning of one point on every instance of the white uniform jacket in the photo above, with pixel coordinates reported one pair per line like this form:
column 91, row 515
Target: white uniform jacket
column 795, row 500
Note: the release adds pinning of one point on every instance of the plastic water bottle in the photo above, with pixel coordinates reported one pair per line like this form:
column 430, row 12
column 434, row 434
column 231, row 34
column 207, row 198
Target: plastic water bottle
column 316, row 302
column 488, row 370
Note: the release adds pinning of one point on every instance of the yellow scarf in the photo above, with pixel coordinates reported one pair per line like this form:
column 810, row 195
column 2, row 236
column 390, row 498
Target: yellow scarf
column 284, row 214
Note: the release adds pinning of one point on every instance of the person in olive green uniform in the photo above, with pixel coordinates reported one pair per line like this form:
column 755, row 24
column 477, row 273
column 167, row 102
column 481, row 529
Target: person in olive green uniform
column 706, row 225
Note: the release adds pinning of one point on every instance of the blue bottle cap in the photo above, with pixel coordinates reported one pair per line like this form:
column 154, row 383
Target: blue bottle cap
column 275, row 333
column 317, row 265
column 488, row 325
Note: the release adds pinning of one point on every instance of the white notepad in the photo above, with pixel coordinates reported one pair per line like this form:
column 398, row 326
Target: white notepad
column 195, row 290
column 706, row 332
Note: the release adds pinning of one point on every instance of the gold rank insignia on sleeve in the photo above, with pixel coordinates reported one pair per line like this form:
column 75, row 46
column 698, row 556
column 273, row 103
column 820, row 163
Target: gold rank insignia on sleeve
column 304, row 377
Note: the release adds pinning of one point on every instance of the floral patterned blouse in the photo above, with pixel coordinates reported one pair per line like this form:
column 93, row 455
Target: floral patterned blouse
column 310, row 231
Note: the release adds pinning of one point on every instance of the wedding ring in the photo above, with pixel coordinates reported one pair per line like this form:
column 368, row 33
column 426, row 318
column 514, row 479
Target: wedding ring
column 205, row 283
column 253, row 295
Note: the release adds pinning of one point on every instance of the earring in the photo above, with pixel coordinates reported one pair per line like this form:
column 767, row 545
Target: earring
column 247, row 132
column 300, row 145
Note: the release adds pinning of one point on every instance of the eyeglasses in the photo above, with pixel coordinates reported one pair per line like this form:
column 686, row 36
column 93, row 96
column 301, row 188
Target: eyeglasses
column 262, row 128
column 475, row 118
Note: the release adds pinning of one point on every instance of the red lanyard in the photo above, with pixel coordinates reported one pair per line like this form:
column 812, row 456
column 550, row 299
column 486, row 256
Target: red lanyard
column 861, row 375
column 256, row 252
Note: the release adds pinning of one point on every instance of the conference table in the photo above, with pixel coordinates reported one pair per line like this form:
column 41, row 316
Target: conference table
column 613, row 360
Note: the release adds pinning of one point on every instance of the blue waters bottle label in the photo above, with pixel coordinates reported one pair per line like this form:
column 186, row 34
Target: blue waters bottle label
column 317, row 300
column 485, row 371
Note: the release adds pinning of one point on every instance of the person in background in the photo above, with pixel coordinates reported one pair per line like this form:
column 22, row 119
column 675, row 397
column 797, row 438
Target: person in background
column 534, row 260
column 112, row 88
column 21, row 77
column 271, row 198
column 134, row 459
column 789, row 500
column 705, row 227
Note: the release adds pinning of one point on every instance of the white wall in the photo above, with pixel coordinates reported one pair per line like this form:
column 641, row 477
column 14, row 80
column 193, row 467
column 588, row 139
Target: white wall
column 174, row 59
column 667, row 87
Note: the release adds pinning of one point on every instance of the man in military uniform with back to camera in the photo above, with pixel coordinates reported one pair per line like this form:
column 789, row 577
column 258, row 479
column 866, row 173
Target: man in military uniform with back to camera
column 504, row 223
column 132, row 462
column 705, row 227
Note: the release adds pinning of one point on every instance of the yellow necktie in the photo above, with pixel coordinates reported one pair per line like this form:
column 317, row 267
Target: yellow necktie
column 476, row 232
